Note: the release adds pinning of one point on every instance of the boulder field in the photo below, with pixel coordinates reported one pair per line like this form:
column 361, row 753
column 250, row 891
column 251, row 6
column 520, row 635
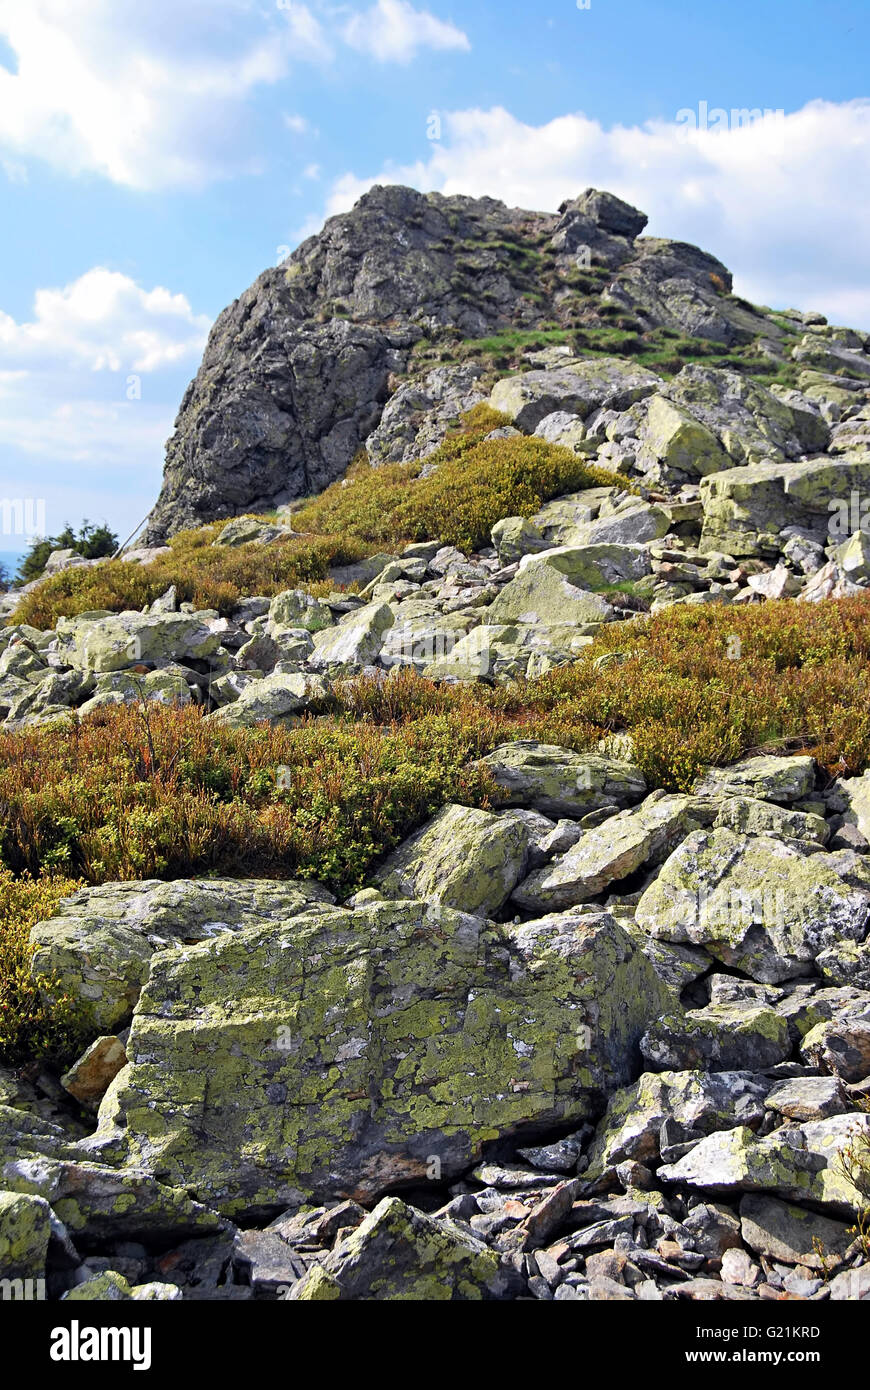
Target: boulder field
column 598, row 1043
column 592, row 1041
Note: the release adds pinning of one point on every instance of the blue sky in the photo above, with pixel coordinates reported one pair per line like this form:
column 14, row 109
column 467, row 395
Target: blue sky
column 154, row 158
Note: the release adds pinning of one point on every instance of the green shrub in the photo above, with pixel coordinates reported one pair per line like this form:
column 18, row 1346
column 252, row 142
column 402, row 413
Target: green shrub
column 207, row 575
column 476, row 482
column 29, row 1030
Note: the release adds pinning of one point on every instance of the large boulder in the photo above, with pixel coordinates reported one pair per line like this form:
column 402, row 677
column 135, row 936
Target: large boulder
column 464, row 858
column 674, row 444
column 343, row 1053
column 722, row 1037
column 607, row 853
column 117, row 641
column 698, row 1102
column 274, row 699
column 355, row 641
column 762, row 905
column 746, row 509
column 98, row 945
column 560, row 782
column 542, row 594
column 93, row 1199
column 577, row 389
column 25, row 1230
column 751, row 423
column 800, row 1163
column 765, row 778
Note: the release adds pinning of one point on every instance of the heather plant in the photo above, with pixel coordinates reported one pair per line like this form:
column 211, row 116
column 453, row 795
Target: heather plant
column 30, row 1028
column 207, row 575
column 456, row 494
column 104, row 798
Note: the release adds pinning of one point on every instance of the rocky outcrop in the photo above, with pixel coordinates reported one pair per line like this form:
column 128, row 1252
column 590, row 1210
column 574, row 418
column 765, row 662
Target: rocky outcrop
column 317, row 358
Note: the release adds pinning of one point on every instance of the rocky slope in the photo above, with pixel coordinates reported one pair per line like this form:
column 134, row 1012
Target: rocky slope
column 298, row 370
column 595, row 1040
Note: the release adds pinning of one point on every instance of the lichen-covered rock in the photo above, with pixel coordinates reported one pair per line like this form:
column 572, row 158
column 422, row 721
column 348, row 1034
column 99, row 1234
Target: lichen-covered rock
column 608, row 853
column 697, row 1101
column 595, row 565
column 418, row 415
column 111, row 1287
column 275, row 698
column 541, row 593
column 516, row 536
column 25, row 1230
column 760, row 905
column 842, row 1044
column 121, row 640
column 294, row 608
column 749, row 816
column 464, row 858
column 578, row 389
column 94, row 1200
column 338, row 1055
column 720, row 1037
column 355, row 641
column 856, row 793
column 400, row 1253
column 101, row 939
column 243, row 530
column 674, row 444
column 745, row 509
column 633, row 524
column 808, row 1098
column 752, row 424
column 801, row 1163
column 765, row 778
column 560, row 782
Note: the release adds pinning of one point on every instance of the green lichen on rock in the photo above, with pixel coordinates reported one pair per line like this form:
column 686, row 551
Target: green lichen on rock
column 340, row 1054
column 25, row 1228
column 401, row 1254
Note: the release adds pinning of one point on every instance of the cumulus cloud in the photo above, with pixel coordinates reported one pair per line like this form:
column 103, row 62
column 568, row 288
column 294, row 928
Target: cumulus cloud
column 393, row 31
column 785, row 202
column 162, row 95
column 104, row 321
column 93, row 377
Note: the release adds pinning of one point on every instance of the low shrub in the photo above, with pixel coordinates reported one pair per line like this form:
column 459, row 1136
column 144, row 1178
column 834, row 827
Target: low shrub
column 29, row 1029
column 207, row 575
column 476, row 482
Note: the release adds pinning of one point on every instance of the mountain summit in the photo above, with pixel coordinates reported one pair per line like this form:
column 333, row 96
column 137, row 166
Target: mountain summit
column 298, row 370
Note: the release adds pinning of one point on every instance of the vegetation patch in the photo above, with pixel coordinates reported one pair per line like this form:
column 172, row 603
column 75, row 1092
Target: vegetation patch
column 90, row 798
column 204, row 574
column 475, row 482
column 30, row 1028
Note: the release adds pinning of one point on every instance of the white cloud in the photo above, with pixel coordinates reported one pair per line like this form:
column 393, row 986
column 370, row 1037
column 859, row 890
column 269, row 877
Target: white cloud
column 393, row 31
column 89, row 387
column 161, row 94
column 785, row 203
column 148, row 95
column 104, row 321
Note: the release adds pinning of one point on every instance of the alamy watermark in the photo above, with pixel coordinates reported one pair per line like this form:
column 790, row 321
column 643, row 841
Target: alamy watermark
column 22, row 516
column 718, row 120
column 848, row 516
